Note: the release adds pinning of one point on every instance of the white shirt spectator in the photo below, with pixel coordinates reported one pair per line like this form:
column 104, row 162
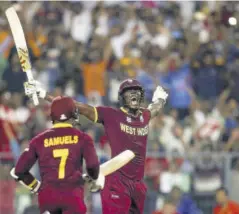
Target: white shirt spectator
column 162, row 40
column 19, row 115
column 81, row 26
column 199, row 118
column 118, row 42
column 169, row 140
column 67, row 19
column 171, row 143
column 169, row 179
column 102, row 25
column 186, row 11
column 89, row 5
column 22, row 114
column 212, row 126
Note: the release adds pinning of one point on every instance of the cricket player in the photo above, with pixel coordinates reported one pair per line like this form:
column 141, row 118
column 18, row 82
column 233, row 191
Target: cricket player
column 126, row 128
column 60, row 152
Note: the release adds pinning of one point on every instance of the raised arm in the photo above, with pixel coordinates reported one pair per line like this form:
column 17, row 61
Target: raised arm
column 222, row 99
column 158, row 101
column 156, row 107
column 84, row 109
column 194, row 101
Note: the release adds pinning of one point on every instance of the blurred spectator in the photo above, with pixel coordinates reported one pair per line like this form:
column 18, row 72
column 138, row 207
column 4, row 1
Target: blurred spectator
column 207, row 176
column 81, row 25
column 208, row 123
column 116, row 76
column 37, row 41
column 207, row 79
column 168, row 208
column 173, row 177
column 156, row 127
column 153, row 170
column 38, row 120
column 148, row 76
column 233, row 50
column 6, row 41
column 94, row 67
column 14, row 76
column 183, row 202
column 177, row 80
column 225, row 205
column 121, row 35
column 173, row 140
column 15, row 148
column 233, row 77
column 234, row 189
column 40, row 73
column 233, row 142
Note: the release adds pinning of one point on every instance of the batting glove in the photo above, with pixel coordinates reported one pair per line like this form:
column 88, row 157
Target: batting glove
column 34, row 87
column 159, row 93
column 95, row 185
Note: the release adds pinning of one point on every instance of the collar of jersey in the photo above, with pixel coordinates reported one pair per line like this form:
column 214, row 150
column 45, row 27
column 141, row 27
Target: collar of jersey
column 126, row 112
column 62, row 125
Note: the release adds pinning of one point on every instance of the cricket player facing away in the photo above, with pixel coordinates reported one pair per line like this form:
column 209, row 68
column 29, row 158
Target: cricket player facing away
column 126, row 128
column 60, row 152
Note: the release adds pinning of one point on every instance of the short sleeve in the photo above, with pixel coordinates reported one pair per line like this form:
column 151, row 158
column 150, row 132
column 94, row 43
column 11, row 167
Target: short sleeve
column 102, row 113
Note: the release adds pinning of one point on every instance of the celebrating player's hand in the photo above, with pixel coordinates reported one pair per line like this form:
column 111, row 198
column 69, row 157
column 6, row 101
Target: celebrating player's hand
column 95, row 185
column 159, row 93
column 34, row 87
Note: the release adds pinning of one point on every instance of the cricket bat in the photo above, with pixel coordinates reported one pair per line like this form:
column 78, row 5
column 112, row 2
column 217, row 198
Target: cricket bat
column 116, row 162
column 21, row 46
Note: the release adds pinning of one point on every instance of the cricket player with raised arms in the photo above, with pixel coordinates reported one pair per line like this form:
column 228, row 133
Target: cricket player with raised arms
column 126, row 129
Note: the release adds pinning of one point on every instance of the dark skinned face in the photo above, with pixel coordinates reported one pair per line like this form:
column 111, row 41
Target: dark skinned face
column 132, row 98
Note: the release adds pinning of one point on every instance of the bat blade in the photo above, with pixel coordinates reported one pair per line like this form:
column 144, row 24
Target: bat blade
column 21, row 45
column 19, row 38
column 117, row 162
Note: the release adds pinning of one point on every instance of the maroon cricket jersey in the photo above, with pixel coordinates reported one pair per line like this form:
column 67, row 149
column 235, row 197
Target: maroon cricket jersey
column 124, row 132
column 60, row 152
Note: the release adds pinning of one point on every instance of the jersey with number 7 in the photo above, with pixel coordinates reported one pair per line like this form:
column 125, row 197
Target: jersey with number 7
column 60, row 152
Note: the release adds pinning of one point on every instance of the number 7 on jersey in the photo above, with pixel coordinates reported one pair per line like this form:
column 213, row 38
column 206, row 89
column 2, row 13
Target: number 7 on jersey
column 63, row 155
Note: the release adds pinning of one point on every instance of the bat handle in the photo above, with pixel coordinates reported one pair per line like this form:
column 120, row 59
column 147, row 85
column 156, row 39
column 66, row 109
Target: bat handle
column 30, row 79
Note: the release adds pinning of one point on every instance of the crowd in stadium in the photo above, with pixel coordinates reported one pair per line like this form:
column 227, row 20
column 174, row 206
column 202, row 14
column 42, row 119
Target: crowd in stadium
column 85, row 49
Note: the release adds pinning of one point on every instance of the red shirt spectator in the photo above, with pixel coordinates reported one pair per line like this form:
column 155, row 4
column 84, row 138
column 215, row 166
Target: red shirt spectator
column 225, row 206
column 230, row 208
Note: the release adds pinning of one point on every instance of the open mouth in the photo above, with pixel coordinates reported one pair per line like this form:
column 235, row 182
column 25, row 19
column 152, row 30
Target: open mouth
column 134, row 101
